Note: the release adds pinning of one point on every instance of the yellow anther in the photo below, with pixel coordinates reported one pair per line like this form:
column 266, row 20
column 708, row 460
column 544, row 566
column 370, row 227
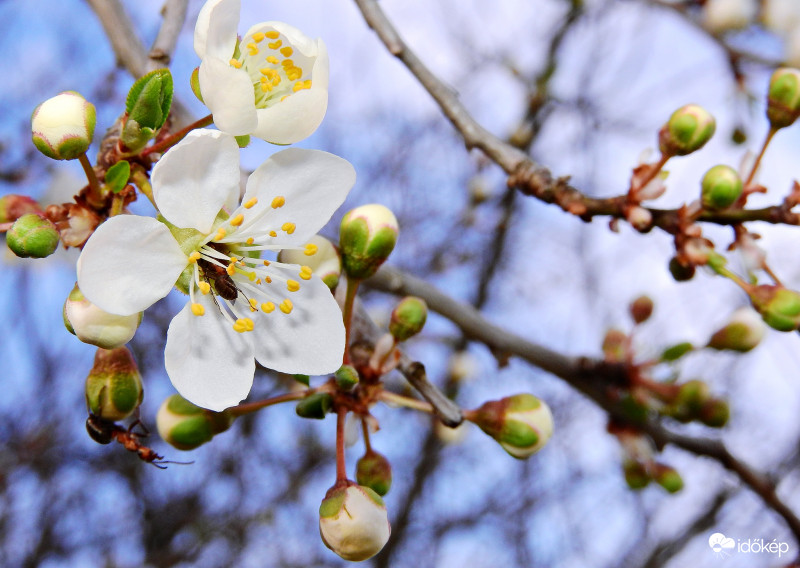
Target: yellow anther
column 311, row 249
column 275, row 44
column 259, row 37
column 205, row 287
column 232, row 259
column 284, row 97
column 198, row 309
column 267, row 280
column 276, row 80
column 235, row 63
column 250, row 202
column 266, row 88
column 297, row 87
column 267, row 307
column 288, row 227
column 250, row 240
column 307, row 84
column 238, row 220
column 305, row 273
column 194, row 257
column 266, row 263
column 287, row 51
column 278, row 202
column 231, row 269
column 252, row 49
column 272, row 59
column 287, row 64
column 253, row 305
column 251, row 276
column 292, row 285
column 243, row 324
column 294, row 73
column 273, row 234
column 220, row 234
column 272, row 34
column 286, row 306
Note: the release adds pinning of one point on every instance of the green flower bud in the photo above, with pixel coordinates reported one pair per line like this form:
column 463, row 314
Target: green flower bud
column 636, row 475
column 366, row 239
column 680, row 273
column 12, row 207
column 320, row 256
column 615, row 346
column 690, row 400
column 686, row 131
column 744, row 331
column 715, row 413
column 314, row 406
column 721, row 187
column 783, row 97
column 408, row 318
column 95, row 326
column 147, row 108
column 114, row 386
column 32, row 236
column 346, row 377
column 62, row 127
column 675, row 352
column 522, row 424
column 667, row 477
column 353, row 522
column 641, row 309
column 373, row 470
column 779, row 307
column 186, row 426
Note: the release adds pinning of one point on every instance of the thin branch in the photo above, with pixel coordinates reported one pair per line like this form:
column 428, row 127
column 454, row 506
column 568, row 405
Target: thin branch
column 174, row 14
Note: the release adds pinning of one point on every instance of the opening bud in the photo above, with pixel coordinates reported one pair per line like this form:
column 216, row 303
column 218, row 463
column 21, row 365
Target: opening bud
column 12, row 207
column 715, row 413
column 408, row 318
column 146, row 108
column 367, row 237
column 320, row 256
column 95, row 326
column 783, row 97
column 114, row 386
column 353, row 522
column 185, row 426
column 641, row 309
column 686, row 131
column 346, row 377
column 779, row 307
column 314, row 406
column 744, row 331
column 63, row 126
column 720, row 188
column 32, row 236
column 522, row 424
column 373, row 470
column 667, row 477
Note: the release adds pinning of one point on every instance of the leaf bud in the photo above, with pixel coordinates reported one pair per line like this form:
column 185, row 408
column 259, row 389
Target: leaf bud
column 146, row 108
column 32, row 236
column 353, row 522
column 346, row 377
column 522, row 424
column 408, row 318
column 373, row 470
column 320, row 256
column 715, row 413
column 783, row 97
column 367, row 237
column 667, row 477
column 62, row 127
column 686, row 131
column 744, row 331
column 314, row 406
column 95, row 326
column 720, row 188
column 641, row 309
column 186, row 426
column 636, row 475
column 12, row 207
column 114, row 386
column 779, row 307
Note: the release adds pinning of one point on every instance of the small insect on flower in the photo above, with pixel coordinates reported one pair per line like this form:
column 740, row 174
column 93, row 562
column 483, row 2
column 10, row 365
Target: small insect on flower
column 219, row 278
column 104, row 432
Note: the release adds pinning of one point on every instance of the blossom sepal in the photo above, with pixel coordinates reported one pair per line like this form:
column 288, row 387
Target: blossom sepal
column 62, row 127
column 522, row 424
column 95, row 326
column 186, row 426
column 32, row 236
column 314, row 406
column 367, row 236
column 373, row 470
column 686, row 131
column 353, row 522
column 114, row 385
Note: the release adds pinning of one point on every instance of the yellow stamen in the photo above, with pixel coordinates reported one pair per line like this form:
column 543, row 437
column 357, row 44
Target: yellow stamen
column 205, row 287
column 272, row 59
column 251, row 276
column 253, row 305
column 267, row 280
column 194, row 257
column 250, row 240
column 278, row 202
column 288, row 227
column 252, row 49
column 305, row 272
column 292, row 285
column 287, row 63
column 273, row 234
column 267, row 307
column 259, row 37
column 235, row 63
column 231, row 269
column 273, row 34
column 266, row 263
column 198, row 309
column 311, row 249
column 250, row 203
column 220, row 234
column 266, row 88
column 287, row 51
column 238, row 220
column 286, row 306
column 275, row 44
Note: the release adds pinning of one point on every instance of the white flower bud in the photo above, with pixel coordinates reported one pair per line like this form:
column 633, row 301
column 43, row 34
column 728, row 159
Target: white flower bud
column 353, row 522
column 744, row 331
column 63, row 126
column 367, row 236
column 781, row 16
column 95, row 326
column 723, row 15
column 522, row 424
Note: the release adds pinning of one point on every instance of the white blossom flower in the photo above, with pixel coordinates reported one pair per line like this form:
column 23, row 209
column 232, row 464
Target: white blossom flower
column 240, row 306
column 272, row 84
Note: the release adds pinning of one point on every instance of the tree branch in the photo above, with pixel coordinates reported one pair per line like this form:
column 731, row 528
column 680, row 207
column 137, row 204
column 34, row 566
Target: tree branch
column 174, row 13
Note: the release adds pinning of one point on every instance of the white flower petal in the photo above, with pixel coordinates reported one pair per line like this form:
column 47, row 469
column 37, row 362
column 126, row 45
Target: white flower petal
column 129, row 263
column 208, row 362
column 313, row 183
column 228, row 94
column 196, row 178
column 293, row 119
column 309, row 340
column 215, row 31
column 297, row 39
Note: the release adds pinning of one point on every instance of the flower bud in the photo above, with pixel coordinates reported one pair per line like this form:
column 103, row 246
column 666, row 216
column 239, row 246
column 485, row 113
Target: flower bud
column 315, row 406
column 779, row 307
column 715, row 413
column 522, row 424
column 641, row 309
column 346, row 377
column 95, row 326
column 667, row 477
column 114, row 386
column 12, row 207
column 722, row 15
column 320, row 256
column 783, row 97
column 636, row 475
column 373, row 470
column 408, row 318
column 680, row 272
column 615, row 346
column 721, row 187
column 353, row 522
column 744, row 331
column 186, row 426
column 32, row 236
column 63, row 126
column 367, row 237
column 146, row 108
column 686, row 131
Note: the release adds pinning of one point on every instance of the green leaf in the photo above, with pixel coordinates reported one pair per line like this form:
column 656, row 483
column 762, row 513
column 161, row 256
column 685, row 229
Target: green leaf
column 150, row 99
column 118, row 175
column 675, row 352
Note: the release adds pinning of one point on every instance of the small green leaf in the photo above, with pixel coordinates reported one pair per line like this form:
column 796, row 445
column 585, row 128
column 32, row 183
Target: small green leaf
column 302, row 379
column 150, row 99
column 675, row 352
column 118, row 175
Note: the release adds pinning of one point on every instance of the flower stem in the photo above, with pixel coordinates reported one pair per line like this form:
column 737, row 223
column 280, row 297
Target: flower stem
column 365, row 430
column 96, row 194
column 251, row 407
column 143, row 183
column 117, row 204
column 400, row 400
column 654, row 170
column 347, row 314
column 341, row 474
column 173, row 139
column 757, row 163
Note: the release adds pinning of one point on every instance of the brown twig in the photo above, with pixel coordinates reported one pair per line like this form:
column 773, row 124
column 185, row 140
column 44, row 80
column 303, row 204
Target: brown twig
column 174, row 13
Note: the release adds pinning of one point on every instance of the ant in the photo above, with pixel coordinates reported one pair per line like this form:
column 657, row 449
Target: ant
column 104, row 431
